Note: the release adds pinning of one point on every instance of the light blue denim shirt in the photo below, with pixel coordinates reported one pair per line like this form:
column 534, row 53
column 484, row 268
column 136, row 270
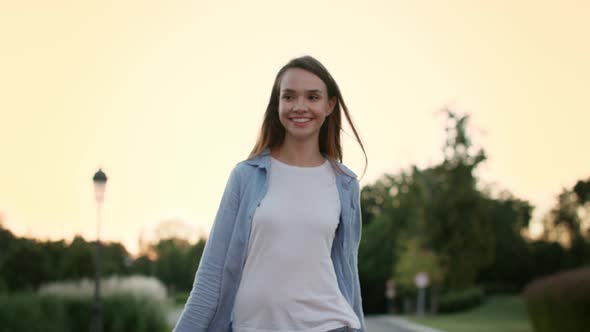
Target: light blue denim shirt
column 210, row 304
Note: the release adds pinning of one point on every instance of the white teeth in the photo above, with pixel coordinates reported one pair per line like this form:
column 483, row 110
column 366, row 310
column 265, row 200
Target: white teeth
column 300, row 120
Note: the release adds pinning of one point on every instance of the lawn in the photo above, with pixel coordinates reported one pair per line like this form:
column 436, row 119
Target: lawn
column 497, row 314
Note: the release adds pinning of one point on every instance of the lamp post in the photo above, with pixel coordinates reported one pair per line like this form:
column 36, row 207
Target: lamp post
column 100, row 181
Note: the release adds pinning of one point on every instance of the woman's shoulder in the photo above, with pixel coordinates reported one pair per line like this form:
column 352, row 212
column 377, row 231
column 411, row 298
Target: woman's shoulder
column 346, row 170
column 246, row 168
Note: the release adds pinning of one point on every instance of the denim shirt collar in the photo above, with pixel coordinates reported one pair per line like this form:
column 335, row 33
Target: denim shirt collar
column 263, row 159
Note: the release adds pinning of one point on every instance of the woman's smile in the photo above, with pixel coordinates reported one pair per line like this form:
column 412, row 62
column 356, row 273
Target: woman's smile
column 300, row 121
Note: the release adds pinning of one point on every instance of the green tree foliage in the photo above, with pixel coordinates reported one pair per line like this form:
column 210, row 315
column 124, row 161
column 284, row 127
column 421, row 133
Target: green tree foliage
column 53, row 259
column 385, row 216
column 116, row 260
column 172, row 266
column 23, row 268
column 7, row 240
column 511, row 265
column 174, row 261
column 569, row 223
column 78, row 259
column 547, row 257
column 437, row 220
column 415, row 259
column 27, row 263
column 143, row 265
column 458, row 221
column 376, row 257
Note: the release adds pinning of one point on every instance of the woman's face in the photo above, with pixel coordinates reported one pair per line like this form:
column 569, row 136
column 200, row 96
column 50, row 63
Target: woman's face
column 303, row 104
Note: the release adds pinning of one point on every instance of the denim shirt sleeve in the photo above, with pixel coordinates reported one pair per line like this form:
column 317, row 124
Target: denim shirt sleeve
column 358, row 224
column 202, row 303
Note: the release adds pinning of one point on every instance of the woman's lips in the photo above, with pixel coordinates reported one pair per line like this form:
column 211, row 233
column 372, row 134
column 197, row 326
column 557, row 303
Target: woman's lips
column 300, row 122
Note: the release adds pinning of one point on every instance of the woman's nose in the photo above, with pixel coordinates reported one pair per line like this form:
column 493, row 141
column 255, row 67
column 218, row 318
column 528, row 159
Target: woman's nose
column 299, row 105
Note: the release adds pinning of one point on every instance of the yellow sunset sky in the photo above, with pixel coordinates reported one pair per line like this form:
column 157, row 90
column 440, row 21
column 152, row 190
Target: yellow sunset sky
column 168, row 96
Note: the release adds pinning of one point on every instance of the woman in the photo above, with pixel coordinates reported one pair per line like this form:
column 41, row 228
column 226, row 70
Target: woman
column 282, row 252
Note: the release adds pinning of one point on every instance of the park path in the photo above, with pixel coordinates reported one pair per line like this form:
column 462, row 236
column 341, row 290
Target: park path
column 389, row 323
column 375, row 323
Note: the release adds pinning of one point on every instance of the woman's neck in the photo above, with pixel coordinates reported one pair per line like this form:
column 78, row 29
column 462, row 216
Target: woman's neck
column 303, row 155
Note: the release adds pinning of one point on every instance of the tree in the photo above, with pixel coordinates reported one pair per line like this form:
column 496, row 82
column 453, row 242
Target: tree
column 568, row 223
column 7, row 240
column 115, row 259
column 177, row 262
column 385, row 215
column 509, row 217
column 24, row 268
column 435, row 215
column 458, row 224
column 416, row 258
column 78, row 261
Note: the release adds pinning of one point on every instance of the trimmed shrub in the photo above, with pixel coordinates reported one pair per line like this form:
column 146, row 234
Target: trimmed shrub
column 453, row 301
column 29, row 312
column 49, row 313
column 127, row 313
column 499, row 288
column 137, row 286
column 128, row 304
column 560, row 302
column 181, row 297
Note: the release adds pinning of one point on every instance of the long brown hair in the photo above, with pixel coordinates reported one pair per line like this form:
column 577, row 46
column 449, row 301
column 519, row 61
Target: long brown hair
column 272, row 132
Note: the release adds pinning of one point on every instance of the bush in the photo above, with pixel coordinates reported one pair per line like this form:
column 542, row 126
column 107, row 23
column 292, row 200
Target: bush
column 500, row 288
column 49, row 313
column 128, row 313
column 453, row 301
column 129, row 304
column 29, row 312
column 181, row 297
column 137, row 286
column 560, row 302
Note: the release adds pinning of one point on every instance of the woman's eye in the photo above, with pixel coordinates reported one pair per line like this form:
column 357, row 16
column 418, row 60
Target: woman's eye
column 287, row 97
column 314, row 97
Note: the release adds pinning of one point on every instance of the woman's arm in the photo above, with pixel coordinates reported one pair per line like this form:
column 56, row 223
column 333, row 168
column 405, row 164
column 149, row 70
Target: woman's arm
column 358, row 302
column 204, row 297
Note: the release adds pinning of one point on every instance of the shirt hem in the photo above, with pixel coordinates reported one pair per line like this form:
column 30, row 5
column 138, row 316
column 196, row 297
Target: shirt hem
column 320, row 328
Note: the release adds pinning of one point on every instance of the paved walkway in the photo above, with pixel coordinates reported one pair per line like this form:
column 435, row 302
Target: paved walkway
column 375, row 323
column 389, row 323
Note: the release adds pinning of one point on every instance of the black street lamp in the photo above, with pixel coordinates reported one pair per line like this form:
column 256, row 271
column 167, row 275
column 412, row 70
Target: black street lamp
column 100, row 181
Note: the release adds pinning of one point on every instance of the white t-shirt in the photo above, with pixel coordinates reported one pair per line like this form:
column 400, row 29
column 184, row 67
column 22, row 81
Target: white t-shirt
column 289, row 283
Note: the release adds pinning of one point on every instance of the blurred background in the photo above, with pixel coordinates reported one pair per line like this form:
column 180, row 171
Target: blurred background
column 474, row 115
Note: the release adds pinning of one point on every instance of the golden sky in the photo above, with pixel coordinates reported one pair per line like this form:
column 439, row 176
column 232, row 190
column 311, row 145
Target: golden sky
column 168, row 96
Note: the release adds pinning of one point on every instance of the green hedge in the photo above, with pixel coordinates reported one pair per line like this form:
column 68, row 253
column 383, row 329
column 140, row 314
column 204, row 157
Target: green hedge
column 560, row 302
column 453, row 301
column 498, row 288
column 27, row 312
column 180, row 298
column 31, row 313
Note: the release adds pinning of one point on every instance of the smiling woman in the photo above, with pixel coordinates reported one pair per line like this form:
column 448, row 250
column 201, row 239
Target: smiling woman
column 282, row 253
column 304, row 103
column 304, row 89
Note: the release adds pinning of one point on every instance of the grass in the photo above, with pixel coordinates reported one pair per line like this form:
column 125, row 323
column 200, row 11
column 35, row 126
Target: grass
column 497, row 314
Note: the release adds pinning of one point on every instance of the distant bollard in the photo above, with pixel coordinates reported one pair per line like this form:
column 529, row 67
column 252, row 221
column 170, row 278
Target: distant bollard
column 421, row 280
column 390, row 295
